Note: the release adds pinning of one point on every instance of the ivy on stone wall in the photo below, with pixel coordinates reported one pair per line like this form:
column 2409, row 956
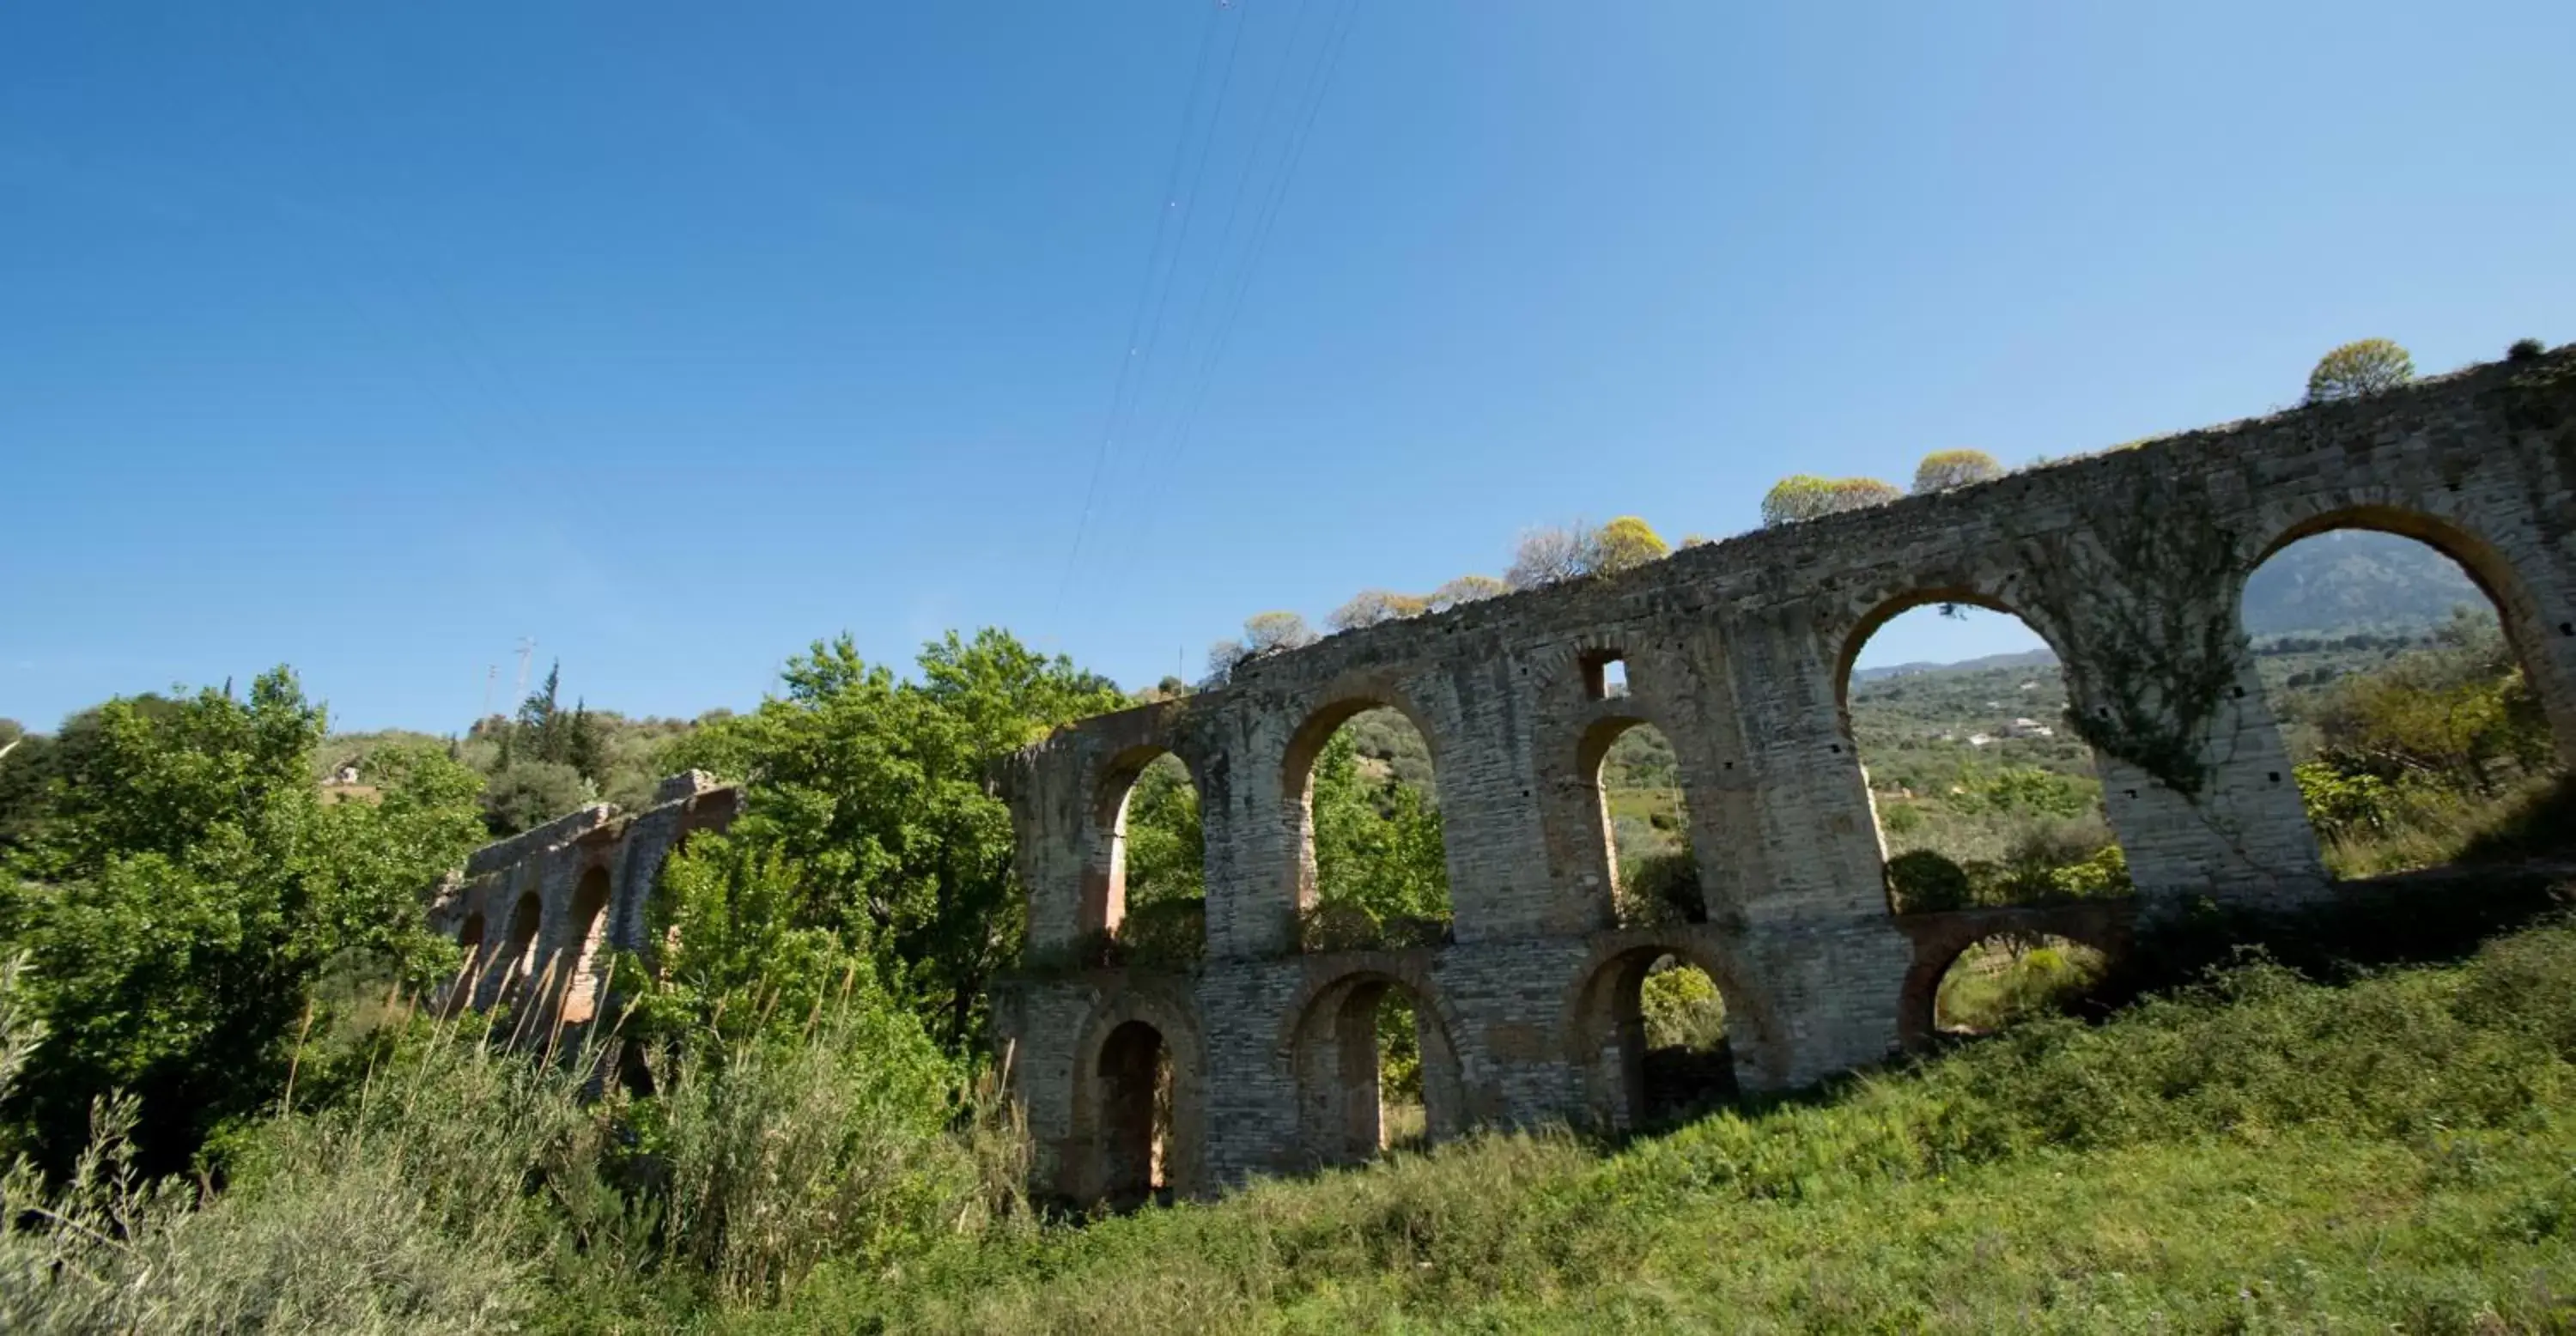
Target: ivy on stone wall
column 2145, row 593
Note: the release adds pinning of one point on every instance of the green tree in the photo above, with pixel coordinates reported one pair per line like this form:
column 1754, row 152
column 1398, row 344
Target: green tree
column 1800, row 496
column 1377, row 847
column 528, row 793
column 878, row 794
column 1626, row 543
column 1166, row 842
column 1805, row 496
column 1942, row 470
column 185, row 893
column 2363, row 366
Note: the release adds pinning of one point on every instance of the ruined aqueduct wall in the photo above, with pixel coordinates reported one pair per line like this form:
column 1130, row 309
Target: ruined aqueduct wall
column 540, row 912
column 2131, row 565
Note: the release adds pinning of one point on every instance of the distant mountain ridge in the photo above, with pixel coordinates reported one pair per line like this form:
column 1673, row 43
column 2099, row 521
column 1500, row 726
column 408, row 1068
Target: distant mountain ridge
column 2341, row 582
column 2354, row 580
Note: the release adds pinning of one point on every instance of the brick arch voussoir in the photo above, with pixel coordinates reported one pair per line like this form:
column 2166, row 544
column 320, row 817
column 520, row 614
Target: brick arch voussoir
column 1938, row 940
column 2001, row 589
column 1325, row 707
column 2499, row 563
column 1328, row 977
column 1584, row 1003
column 1175, row 1018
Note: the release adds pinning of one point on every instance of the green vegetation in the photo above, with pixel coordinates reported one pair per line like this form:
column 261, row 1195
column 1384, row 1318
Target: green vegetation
column 180, row 891
column 233, row 1116
column 870, row 819
column 1805, row 496
column 1942, row 470
column 2364, row 366
column 2427, row 758
column 2265, row 1149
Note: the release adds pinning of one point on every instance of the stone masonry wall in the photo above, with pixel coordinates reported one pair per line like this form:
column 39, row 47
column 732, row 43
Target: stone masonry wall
column 2130, row 563
column 540, row 912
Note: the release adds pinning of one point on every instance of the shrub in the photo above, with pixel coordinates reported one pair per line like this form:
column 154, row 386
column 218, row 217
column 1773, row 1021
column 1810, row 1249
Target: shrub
column 1662, row 888
column 2103, row 875
column 1168, row 933
column 1927, row 882
column 2362, row 367
column 528, row 794
column 2524, row 350
column 2341, row 804
column 1330, row 925
column 1681, row 1008
column 1942, row 470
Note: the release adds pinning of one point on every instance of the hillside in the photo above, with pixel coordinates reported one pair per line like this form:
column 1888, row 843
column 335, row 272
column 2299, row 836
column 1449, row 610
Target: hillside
column 2352, row 580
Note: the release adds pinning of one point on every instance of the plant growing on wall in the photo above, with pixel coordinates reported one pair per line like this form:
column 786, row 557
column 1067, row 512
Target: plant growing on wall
column 2158, row 654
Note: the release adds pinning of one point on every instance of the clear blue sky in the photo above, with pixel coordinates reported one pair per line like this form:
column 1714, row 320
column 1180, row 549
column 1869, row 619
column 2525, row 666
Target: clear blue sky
column 370, row 339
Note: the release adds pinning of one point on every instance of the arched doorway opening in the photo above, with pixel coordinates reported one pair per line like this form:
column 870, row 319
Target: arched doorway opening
column 1955, row 710
column 2007, row 978
column 589, row 933
column 1372, row 868
column 1145, row 889
column 2394, row 655
column 1645, row 824
column 519, row 960
column 460, row 990
column 1376, row 1070
column 1652, row 1027
column 1135, row 1095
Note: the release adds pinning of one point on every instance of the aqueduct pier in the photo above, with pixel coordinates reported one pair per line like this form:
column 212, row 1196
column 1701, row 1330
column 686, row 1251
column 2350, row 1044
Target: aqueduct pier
column 2129, row 563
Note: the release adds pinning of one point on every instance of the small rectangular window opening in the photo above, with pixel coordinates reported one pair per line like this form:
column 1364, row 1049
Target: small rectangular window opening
column 1605, row 675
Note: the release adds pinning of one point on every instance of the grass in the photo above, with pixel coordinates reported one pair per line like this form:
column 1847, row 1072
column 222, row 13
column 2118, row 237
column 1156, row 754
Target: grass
column 2362, row 1148
column 2430, row 826
column 2263, row 1153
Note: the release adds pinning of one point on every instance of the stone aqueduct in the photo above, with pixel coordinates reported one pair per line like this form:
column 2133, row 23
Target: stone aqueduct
column 2130, row 564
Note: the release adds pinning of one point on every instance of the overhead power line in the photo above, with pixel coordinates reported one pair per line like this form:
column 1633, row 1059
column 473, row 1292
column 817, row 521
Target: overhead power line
column 1141, row 333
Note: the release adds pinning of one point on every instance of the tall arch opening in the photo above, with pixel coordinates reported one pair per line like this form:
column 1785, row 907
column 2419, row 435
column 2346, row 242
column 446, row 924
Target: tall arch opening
column 1135, row 1093
column 1372, row 868
column 520, row 959
column 1955, row 711
column 460, row 990
column 1145, row 894
column 1652, row 1023
column 2395, row 654
column 589, row 934
column 1375, row 1070
column 1645, row 825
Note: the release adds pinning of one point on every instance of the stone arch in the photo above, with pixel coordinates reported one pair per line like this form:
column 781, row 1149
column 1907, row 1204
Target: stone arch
column 1340, row 704
column 518, row 959
column 1938, row 940
column 1329, row 1041
column 2498, row 569
column 1591, row 749
column 1103, row 904
column 459, row 991
column 1994, row 596
column 1605, row 1032
column 1887, row 607
column 585, row 944
column 1113, row 1112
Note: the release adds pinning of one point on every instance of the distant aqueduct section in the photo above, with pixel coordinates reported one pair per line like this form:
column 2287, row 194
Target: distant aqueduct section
column 541, row 913
column 2129, row 563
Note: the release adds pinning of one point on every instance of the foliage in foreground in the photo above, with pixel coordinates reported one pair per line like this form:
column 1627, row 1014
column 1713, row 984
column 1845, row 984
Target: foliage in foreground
column 2264, row 1150
column 2259, row 1151
column 184, row 896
